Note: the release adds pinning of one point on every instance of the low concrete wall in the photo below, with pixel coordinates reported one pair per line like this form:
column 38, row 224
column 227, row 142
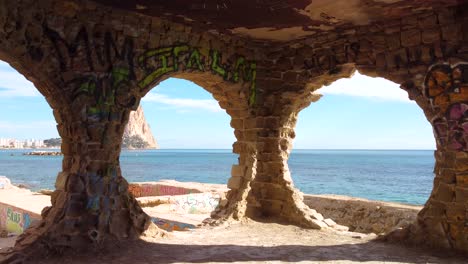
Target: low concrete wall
column 196, row 203
column 361, row 215
column 19, row 208
column 170, row 187
column 191, row 198
column 16, row 220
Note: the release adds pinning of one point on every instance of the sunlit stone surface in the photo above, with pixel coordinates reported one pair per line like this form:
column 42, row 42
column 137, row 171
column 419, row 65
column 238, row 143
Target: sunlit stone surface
column 262, row 61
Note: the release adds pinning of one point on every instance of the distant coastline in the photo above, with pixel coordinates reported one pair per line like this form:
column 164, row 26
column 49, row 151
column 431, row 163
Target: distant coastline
column 36, row 148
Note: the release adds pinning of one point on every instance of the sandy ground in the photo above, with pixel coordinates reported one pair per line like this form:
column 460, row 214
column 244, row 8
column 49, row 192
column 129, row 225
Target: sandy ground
column 254, row 242
column 24, row 199
column 247, row 242
column 6, row 242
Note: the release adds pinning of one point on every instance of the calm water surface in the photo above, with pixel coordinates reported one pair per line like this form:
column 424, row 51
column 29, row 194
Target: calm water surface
column 389, row 175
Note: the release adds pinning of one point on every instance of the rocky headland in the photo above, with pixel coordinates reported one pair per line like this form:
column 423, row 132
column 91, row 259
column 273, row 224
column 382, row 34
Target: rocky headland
column 137, row 134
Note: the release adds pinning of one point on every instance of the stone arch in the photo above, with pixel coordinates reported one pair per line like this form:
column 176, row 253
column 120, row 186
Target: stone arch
column 440, row 91
column 96, row 71
column 87, row 57
column 235, row 99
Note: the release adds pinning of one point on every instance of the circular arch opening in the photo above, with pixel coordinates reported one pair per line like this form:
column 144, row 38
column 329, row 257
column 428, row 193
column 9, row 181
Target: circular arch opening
column 364, row 139
column 29, row 154
column 182, row 182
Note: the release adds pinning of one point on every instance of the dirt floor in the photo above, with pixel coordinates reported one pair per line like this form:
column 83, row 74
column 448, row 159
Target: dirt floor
column 254, row 242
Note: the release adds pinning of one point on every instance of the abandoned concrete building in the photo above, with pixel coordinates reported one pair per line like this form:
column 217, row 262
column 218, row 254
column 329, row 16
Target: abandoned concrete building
column 261, row 60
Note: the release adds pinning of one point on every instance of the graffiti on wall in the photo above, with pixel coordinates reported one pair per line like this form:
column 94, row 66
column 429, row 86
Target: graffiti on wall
column 142, row 190
column 117, row 65
column 197, row 203
column 170, row 225
column 327, row 60
column 447, row 88
column 13, row 220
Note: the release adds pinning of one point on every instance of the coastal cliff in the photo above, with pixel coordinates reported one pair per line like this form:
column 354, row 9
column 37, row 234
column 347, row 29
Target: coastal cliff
column 138, row 133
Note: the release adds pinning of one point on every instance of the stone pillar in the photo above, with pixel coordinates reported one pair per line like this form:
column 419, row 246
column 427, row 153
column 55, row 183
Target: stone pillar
column 91, row 205
column 261, row 184
column 443, row 222
column 273, row 194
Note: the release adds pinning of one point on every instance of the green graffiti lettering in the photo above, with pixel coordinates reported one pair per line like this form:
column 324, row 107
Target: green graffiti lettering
column 93, row 110
column 170, row 59
column 13, row 216
column 194, row 61
column 176, row 52
column 215, row 67
column 248, row 74
column 152, row 53
column 163, row 54
column 241, row 68
column 240, row 64
column 87, row 87
column 119, row 75
column 253, row 84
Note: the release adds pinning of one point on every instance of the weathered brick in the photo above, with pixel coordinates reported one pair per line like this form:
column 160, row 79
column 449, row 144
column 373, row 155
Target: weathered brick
column 444, row 192
column 237, row 171
column 410, row 38
column 430, row 35
column 461, row 194
column 393, row 41
column 237, row 123
column 234, row 183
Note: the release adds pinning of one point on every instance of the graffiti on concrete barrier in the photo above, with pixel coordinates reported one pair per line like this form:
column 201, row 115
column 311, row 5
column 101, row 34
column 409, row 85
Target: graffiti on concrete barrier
column 170, row 225
column 13, row 220
column 148, row 189
column 197, row 203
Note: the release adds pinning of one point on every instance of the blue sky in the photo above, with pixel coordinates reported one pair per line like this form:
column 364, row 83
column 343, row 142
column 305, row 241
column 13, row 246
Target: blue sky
column 356, row 113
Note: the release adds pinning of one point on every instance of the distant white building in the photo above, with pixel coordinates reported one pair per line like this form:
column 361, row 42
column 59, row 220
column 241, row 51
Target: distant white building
column 15, row 143
column 4, row 142
column 18, row 144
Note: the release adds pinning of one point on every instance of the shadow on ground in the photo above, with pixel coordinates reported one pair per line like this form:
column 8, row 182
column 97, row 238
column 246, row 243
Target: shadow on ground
column 145, row 252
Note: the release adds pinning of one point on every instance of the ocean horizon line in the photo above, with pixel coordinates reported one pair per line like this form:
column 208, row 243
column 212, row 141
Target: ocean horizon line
column 383, row 149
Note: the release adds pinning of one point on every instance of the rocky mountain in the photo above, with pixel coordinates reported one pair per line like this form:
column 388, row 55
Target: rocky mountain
column 138, row 133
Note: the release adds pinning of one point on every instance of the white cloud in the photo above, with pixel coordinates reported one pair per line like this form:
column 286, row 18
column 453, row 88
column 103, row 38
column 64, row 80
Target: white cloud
column 364, row 86
column 183, row 103
column 13, row 83
column 4, row 125
column 22, row 130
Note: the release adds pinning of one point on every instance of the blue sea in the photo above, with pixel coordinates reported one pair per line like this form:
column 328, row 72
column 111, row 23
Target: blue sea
column 403, row 176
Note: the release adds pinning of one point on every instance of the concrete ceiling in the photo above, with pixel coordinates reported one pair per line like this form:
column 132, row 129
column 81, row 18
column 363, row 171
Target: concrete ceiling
column 278, row 20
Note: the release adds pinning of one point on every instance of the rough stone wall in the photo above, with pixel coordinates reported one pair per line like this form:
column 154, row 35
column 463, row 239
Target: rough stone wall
column 426, row 54
column 94, row 64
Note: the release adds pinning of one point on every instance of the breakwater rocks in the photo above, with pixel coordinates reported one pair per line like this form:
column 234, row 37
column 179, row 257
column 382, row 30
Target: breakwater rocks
column 43, row 153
